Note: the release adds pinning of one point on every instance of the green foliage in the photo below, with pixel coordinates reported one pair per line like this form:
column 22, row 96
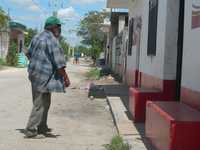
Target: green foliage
column 12, row 57
column 96, row 73
column 3, row 19
column 117, row 144
column 82, row 49
column 93, row 74
column 2, row 62
column 65, row 46
column 30, row 34
column 91, row 33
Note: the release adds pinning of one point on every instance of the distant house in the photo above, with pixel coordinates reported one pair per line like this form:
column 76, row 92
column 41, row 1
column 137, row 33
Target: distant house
column 17, row 34
column 117, row 41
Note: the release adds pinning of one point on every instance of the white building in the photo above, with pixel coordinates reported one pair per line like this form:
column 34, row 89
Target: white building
column 190, row 84
column 4, row 43
column 152, row 58
column 163, row 54
column 117, row 43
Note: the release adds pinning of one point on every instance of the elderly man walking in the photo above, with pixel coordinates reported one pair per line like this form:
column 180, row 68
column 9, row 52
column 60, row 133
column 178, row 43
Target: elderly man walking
column 46, row 74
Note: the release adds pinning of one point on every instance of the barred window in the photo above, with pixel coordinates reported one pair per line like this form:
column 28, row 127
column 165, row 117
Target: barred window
column 130, row 38
column 152, row 31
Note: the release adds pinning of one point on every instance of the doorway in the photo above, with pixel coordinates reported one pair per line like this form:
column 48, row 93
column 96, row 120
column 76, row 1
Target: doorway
column 180, row 49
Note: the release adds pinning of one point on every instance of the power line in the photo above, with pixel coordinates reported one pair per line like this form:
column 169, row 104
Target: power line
column 38, row 5
column 55, row 5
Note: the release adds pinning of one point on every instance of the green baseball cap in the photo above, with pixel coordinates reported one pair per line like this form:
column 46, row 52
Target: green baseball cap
column 52, row 21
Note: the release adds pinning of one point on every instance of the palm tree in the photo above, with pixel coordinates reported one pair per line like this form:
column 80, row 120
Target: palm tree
column 3, row 19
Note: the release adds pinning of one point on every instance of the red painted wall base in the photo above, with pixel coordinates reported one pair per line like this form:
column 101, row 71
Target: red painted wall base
column 172, row 126
column 190, row 97
column 137, row 101
column 151, row 88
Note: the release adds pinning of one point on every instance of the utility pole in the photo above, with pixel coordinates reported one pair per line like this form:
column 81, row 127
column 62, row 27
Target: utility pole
column 55, row 5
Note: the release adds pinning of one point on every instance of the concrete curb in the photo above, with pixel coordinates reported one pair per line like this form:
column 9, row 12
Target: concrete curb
column 124, row 125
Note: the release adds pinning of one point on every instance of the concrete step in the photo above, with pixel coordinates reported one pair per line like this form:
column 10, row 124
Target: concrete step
column 125, row 126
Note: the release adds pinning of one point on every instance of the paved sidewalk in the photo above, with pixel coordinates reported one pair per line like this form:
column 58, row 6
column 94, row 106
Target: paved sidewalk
column 78, row 123
column 133, row 133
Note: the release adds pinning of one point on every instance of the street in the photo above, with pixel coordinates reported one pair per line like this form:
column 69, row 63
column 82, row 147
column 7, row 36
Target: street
column 78, row 123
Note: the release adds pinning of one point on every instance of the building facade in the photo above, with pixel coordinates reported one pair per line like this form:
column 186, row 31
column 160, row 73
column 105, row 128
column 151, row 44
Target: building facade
column 162, row 64
column 190, row 83
column 4, row 43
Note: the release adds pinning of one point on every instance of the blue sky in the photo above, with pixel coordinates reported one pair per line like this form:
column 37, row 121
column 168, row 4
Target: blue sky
column 32, row 13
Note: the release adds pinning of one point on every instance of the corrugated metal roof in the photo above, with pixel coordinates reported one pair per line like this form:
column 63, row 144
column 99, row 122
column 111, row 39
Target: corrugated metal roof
column 17, row 25
column 117, row 4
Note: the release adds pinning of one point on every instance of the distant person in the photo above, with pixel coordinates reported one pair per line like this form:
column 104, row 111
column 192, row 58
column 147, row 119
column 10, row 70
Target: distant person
column 46, row 74
column 94, row 59
column 76, row 58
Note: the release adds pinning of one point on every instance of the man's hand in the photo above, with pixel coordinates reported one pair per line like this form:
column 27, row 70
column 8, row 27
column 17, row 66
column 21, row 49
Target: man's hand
column 66, row 81
column 62, row 72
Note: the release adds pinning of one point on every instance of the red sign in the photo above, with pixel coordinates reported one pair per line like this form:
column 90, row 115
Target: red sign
column 195, row 14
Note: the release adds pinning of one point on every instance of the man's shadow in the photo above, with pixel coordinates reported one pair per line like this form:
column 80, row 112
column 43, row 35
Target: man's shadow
column 47, row 135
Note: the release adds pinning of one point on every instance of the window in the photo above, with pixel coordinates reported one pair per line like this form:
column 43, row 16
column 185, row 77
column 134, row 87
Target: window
column 130, row 37
column 20, row 46
column 152, row 33
column 126, row 21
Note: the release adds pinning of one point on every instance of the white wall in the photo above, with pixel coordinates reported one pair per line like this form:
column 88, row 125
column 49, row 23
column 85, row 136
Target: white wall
column 171, row 40
column 114, row 53
column 191, row 52
column 121, row 24
column 4, row 42
column 135, row 9
column 153, row 65
column 163, row 65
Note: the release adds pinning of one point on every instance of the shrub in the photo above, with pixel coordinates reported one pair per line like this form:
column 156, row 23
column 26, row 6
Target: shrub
column 93, row 74
column 12, row 57
column 117, row 143
column 2, row 62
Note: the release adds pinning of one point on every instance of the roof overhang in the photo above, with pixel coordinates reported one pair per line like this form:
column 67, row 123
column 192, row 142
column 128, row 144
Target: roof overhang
column 105, row 28
column 115, row 16
column 16, row 25
column 117, row 4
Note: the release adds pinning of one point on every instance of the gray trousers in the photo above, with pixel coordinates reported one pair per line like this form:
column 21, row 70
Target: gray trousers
column 39, row 114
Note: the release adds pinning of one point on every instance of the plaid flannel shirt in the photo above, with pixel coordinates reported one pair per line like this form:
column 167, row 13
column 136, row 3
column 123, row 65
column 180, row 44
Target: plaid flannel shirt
column 46, row 56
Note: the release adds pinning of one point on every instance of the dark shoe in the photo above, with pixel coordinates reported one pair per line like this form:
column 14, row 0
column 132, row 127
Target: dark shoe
column 44, row 130
column 33, row 134
column 38, row 136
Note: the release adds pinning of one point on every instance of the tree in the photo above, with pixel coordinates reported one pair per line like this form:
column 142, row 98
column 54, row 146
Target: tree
column 3, row 19
column 12, row 57
column 65, row 46
column 91, row 33
column 30, row 34
column 83, row 49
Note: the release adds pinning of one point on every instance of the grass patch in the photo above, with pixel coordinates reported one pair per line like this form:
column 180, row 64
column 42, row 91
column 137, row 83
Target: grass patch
column 93, row 74
column 117, row 143
column 96, row 73
column 2, row 62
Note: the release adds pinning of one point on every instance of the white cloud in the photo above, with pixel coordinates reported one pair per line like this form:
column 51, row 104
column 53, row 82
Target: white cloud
column 34, row 8
column 68, row 14
column 72, row 38
column 29, row 17
column 26, row 4
column 81, row 2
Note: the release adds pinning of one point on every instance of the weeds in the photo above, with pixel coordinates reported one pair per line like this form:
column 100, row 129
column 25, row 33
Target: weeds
column 93, row 74
column 117, row 143
column 2, row 62
column 12, row 57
